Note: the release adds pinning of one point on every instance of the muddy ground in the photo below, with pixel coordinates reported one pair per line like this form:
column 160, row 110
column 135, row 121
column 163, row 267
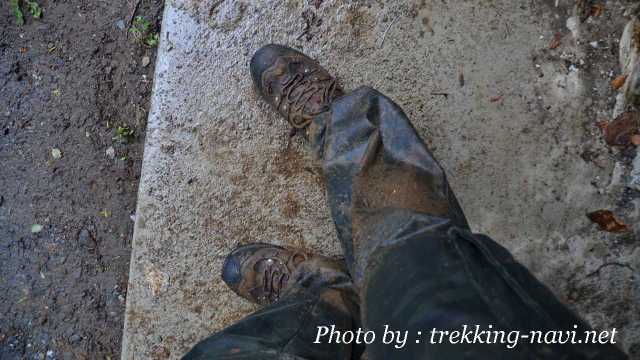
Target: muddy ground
column 68, row 176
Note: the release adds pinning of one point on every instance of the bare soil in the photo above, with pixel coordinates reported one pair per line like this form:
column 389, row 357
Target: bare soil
column 67, row 81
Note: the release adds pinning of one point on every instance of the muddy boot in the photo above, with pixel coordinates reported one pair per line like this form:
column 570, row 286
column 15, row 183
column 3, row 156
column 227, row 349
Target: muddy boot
column 371, row 157
column 263, row 273
column 294, row 84
column 301, row 292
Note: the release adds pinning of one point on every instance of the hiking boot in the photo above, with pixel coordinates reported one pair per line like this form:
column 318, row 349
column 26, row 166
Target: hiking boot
column 296, row 85
column 261, row 273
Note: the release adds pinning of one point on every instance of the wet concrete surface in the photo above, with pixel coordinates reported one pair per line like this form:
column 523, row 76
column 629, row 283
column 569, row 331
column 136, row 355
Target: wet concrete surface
column 511, row 116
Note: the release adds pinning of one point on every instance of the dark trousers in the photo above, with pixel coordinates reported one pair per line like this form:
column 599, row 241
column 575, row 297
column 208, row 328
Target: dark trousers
column 413, row 265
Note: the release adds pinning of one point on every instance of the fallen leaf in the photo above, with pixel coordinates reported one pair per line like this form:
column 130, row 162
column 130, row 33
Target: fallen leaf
column 607, row 221
column 620, row 131
column 597, row 9
column 618, row 82
column 23, row 50
column 635, row 140
column 556, row 41
column 496, row 98
column 110, row 152
column 36, row 228
column 105, row 213
column 56, row 153
column 157, row 281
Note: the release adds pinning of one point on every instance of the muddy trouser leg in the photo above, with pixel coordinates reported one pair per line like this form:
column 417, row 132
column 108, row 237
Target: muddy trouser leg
column 410, row 251
column 287, row 329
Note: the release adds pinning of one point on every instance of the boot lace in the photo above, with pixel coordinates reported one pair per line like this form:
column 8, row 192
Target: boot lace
column 275, row 276
column 299, row 89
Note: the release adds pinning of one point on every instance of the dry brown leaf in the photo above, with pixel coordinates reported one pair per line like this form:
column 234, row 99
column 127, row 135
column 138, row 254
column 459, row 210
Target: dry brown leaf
column 556, row 41
column 607, row 221
column 635, row 140
column 597, row 9
column 618, row 82
column 496, row 98
column 620, row 131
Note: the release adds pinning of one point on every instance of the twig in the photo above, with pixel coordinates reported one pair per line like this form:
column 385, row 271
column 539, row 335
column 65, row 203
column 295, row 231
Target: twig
column 132, row 13
column 597, row 271
column 384, row 35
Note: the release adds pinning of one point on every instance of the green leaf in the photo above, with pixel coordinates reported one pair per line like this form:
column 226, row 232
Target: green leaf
column 56, row 153
column 17, row 13
column 36, row 228
column 140, row 24
column 124, row 133
column 34, row 9
column 152, row 39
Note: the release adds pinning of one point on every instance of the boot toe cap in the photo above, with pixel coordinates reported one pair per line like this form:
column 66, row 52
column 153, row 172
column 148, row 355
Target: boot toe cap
column 264, row 58
column 231, row 274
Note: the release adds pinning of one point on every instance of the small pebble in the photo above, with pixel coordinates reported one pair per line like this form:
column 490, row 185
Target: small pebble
column 111, row 152
column 84, row 237
column 56, row 153
column 120, row 24
column 36, row 228
column 145, row 61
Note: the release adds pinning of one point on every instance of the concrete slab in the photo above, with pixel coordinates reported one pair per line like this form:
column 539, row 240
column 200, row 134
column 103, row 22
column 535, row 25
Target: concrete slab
column 511, row 120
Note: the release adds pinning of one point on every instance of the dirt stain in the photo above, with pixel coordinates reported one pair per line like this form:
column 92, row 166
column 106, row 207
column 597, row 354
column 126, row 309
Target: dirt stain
column 291, row 207
column 289, row 162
